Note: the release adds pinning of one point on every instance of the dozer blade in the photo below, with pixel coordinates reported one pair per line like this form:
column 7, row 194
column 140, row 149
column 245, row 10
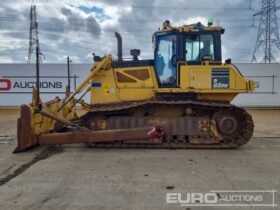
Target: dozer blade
column 25, row 136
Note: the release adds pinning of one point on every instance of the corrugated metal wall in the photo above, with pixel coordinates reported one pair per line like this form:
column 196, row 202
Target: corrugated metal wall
column 267, row 84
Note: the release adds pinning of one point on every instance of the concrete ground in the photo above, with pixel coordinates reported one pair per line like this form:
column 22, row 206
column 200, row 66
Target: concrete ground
column 77, row 177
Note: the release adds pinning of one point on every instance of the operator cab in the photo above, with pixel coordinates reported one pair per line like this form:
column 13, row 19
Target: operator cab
column 186, row 45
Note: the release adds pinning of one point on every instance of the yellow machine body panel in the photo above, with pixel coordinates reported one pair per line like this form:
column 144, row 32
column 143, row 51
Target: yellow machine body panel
column 140, row 83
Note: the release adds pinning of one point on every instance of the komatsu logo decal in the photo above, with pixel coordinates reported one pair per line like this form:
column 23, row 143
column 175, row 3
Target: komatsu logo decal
column 220, row 78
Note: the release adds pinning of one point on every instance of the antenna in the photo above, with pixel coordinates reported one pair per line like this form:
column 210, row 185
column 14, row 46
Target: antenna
column 37, row 79
column 33, row 34
column 268, row 42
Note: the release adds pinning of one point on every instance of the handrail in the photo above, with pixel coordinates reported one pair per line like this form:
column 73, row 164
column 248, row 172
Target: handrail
column 94, row 70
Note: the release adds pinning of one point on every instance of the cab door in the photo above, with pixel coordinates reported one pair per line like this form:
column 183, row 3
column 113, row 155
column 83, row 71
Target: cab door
column 165, row 60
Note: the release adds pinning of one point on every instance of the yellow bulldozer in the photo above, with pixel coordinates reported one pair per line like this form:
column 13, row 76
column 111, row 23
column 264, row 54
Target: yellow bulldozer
column 180, row 99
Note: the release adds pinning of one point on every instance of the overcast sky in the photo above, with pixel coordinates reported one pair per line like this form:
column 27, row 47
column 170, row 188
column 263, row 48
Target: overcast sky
column 78, row 28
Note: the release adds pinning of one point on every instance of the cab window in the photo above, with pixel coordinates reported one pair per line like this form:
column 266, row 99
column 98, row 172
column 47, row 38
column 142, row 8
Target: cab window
column 198, row 46
column 165, row 51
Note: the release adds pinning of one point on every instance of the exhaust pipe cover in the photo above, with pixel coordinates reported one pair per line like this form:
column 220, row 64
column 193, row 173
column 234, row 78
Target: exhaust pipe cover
column 119, row 38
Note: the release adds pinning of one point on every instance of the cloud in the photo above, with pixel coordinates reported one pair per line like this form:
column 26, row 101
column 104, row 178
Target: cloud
column 77, row 28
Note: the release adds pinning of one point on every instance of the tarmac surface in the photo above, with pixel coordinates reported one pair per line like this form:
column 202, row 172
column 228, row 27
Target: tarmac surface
column 78, row 177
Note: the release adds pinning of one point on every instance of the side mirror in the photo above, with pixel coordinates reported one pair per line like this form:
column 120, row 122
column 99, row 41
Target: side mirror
column 228, row 61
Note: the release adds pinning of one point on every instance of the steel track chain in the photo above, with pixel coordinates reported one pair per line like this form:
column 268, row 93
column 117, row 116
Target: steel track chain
column 243, row 138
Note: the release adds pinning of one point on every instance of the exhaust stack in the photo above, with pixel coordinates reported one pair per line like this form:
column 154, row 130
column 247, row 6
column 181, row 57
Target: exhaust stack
column 119, row 38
